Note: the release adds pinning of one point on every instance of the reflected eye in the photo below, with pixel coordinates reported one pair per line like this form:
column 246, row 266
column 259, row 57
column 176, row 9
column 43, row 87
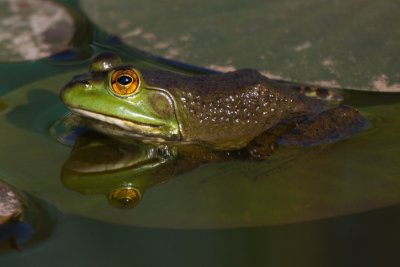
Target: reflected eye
column 124, row 197
column 124, row 82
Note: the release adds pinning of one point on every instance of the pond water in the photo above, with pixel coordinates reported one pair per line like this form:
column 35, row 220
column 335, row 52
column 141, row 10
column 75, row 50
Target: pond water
column 331, row 205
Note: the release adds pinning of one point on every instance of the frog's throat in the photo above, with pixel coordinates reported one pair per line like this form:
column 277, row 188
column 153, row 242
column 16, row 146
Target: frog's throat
column 138, row 127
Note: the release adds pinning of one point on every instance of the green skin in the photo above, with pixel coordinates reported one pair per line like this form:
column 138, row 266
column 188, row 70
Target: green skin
column 227, row 111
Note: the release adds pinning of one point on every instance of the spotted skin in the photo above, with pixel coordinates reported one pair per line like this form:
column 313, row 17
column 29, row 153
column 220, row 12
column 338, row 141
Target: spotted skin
column 240, row 104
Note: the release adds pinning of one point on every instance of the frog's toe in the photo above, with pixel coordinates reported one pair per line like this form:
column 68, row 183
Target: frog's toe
column 262, row 147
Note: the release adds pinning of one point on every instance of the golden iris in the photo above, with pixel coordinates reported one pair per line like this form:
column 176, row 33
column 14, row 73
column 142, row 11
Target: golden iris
column 124, row 82
column 124, row 197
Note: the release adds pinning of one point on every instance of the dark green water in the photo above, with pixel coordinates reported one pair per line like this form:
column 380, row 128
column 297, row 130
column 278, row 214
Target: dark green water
column 335, row 205
column 368, row 239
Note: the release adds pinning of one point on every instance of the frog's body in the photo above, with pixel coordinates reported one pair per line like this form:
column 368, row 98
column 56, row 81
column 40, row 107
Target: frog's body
column 229, row 110
column 222, row 111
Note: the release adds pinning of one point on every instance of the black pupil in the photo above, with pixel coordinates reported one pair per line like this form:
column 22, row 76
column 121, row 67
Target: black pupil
column 125, row 201
column 124, row 80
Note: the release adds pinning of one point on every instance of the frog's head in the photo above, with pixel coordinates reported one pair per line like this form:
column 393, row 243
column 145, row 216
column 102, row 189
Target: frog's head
column 115, row 93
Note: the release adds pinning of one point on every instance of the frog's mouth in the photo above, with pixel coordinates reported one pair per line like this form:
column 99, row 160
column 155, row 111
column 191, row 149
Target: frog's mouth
column 125, row 124
column 145, row 130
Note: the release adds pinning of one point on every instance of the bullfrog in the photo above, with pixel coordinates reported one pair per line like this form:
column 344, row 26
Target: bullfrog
column 228, row 111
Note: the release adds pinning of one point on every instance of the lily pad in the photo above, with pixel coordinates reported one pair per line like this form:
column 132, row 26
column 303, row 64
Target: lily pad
column 348, row 44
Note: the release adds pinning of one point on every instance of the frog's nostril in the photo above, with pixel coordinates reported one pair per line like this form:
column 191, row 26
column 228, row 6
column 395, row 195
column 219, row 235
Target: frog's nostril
column 81, row 81
column 77, row 83
column 86, row 84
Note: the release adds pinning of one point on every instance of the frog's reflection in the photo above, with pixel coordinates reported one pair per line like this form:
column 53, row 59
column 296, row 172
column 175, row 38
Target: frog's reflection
column 99, row 164
column 123, row 171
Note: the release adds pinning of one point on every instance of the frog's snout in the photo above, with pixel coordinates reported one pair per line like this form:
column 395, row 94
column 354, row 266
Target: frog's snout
column 79, row 81
column 67, row 92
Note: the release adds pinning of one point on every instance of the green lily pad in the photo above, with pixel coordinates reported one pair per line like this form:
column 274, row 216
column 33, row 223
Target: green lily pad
column 348, row 44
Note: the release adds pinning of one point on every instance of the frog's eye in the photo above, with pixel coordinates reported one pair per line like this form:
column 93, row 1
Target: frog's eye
column 124, row 82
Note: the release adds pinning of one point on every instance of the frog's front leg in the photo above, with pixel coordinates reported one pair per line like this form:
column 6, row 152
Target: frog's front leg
column 264, row 145
column 326, row 127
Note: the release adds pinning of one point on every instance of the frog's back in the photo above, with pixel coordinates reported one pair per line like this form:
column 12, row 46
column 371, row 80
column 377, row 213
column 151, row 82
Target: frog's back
column 229, row 110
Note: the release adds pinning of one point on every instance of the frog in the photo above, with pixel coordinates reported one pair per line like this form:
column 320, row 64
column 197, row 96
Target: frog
column 237, row 110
